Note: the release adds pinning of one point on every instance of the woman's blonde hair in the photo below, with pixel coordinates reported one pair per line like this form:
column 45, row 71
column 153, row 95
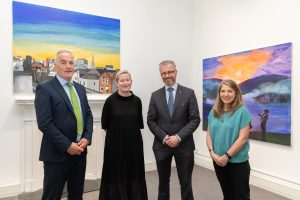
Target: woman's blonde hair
column 237, row 102
column 122, row 72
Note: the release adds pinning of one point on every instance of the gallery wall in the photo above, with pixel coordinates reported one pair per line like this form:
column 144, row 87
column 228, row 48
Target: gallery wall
column 225, row 27
column 151, row 31
column 187, row 32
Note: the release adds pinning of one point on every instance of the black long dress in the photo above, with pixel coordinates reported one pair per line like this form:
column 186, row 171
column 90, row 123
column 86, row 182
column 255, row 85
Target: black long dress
column 123, row 174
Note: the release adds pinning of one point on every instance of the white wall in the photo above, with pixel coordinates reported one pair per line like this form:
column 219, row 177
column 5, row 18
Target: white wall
column 10, row 117
column 151, row 31
column 225, row 27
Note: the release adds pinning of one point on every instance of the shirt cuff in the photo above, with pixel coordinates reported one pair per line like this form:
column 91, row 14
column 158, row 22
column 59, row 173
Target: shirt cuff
column 78, row 138
column 164, row 140
column 178, row 138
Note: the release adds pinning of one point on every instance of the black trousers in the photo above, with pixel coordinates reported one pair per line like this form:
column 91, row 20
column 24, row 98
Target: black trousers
column 57, row 173
column 184, row 165
column 234, row 180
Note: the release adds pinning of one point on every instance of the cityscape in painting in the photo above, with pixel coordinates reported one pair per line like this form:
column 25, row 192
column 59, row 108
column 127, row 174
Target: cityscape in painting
column 40, row 32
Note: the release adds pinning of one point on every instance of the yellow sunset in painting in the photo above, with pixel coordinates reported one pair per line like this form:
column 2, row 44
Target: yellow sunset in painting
column 111, row 59
column 241, row 67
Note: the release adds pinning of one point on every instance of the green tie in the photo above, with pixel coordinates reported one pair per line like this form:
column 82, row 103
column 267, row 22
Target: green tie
column 76, row 108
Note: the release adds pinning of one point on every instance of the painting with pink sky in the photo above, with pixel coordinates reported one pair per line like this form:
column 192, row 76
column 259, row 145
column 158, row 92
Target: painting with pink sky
column 264, row 76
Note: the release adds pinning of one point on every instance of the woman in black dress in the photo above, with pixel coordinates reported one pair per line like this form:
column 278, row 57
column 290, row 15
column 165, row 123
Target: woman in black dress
column 123, row 174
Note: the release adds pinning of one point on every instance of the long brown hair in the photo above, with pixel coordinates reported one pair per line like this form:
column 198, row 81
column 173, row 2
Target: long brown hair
column 237, row 102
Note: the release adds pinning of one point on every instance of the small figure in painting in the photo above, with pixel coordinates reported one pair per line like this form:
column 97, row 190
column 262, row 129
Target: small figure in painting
column 263, row 123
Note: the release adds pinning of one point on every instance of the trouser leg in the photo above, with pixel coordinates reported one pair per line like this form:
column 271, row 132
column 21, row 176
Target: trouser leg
column 185, row 165
column 163, row 162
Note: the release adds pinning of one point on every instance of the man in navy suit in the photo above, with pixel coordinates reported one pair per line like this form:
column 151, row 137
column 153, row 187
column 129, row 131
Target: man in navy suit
column 173, row 116
column 63, row 148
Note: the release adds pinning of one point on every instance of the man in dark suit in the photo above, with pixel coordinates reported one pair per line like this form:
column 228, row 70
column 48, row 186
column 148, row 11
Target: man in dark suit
column 66, row 121
column 173, row 116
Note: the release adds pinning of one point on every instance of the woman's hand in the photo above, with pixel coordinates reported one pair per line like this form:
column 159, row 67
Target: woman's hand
column 214, row 156
column 222, row 161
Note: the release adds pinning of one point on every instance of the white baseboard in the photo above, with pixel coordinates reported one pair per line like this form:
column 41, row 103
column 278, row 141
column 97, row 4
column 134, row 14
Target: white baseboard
column 275, row 184
column 203, row 161
column 150, row 165
column 9, row 188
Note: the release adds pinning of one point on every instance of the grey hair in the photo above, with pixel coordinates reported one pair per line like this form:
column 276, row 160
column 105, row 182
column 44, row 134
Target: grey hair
column 60, row 52
column 167, row 62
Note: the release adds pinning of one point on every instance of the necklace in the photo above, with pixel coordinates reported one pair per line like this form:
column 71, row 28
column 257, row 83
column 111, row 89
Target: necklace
column 223, row 116
column 222, row 119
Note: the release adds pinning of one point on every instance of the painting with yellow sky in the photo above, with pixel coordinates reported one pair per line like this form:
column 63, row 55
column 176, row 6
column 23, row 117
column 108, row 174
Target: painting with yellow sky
column 39, row 32
column 264, row 76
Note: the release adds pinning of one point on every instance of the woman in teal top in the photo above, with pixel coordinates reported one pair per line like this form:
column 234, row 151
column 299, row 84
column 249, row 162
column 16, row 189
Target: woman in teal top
column 227, row 141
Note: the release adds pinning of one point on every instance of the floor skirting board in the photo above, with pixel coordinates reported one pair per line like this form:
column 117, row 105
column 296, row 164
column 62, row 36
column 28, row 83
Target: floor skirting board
column 9, row 188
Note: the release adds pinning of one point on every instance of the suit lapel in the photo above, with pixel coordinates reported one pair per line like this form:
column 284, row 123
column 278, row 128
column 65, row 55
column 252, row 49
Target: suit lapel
column 177, row 98
column 56, row 84
column 164, row 100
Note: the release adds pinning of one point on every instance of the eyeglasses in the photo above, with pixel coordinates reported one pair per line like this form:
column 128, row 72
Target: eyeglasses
column 168, row 73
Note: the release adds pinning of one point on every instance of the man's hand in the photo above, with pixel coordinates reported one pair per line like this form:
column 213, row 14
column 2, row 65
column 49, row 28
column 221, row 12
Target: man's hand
column 83, row 143
column 172, row 141
column 75, row 149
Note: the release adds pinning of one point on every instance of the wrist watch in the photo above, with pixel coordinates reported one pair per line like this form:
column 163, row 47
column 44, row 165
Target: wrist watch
column 228, row 156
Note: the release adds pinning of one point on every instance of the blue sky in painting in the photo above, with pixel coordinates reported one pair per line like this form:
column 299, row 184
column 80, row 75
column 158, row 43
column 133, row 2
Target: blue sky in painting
column 29, row 13
column 49, row 26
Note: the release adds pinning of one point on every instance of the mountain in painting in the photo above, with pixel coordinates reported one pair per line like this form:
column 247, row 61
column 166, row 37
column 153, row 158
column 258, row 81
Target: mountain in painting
column 251, row 84
column 210, row 87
